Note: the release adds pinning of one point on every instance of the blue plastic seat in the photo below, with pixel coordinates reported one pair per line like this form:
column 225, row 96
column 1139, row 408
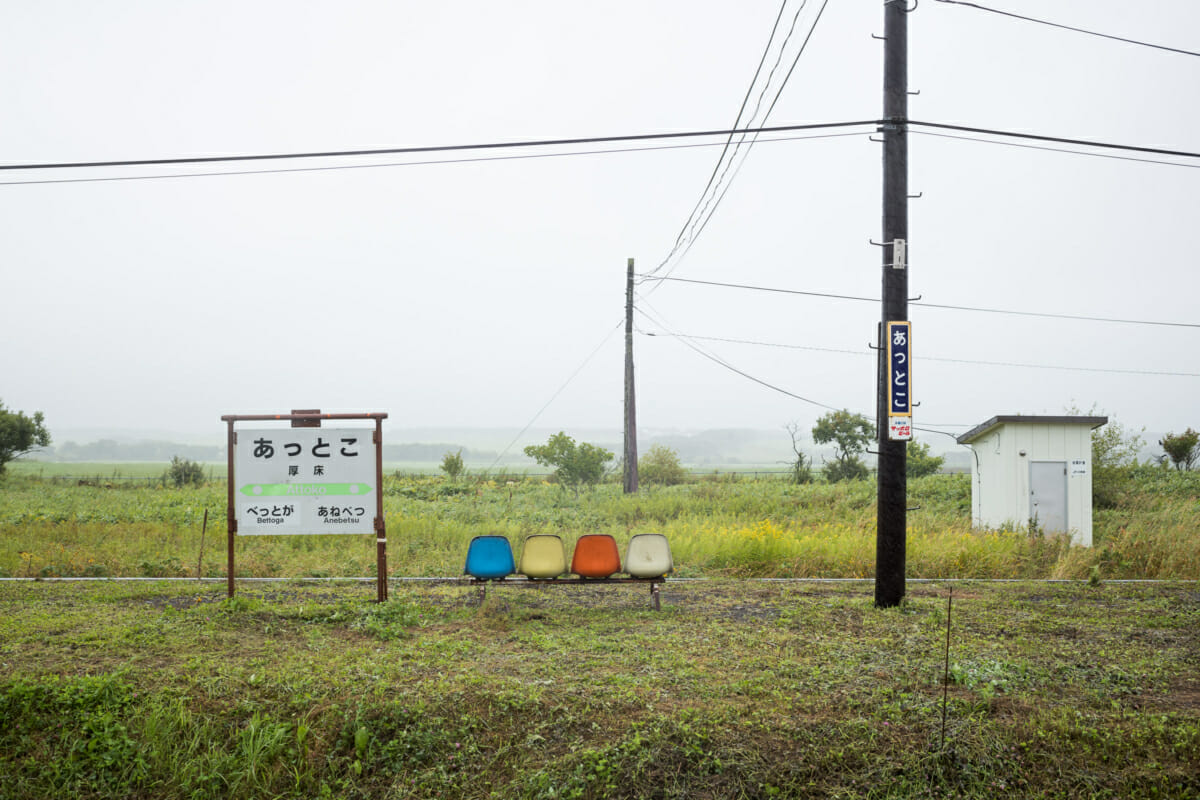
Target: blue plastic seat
column 490, row 558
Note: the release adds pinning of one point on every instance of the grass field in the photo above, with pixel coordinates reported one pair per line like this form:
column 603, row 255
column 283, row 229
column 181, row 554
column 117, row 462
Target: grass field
column 739, row 687
column 735, row 689
column 55, row 527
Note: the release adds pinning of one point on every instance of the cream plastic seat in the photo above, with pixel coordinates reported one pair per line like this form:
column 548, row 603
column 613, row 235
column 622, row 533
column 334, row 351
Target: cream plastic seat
column 648, row 556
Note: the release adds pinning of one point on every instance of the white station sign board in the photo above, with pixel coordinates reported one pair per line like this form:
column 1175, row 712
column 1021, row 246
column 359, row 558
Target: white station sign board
column 305, row 480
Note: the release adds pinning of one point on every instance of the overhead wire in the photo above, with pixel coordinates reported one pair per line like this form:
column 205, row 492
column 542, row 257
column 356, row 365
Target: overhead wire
column 1057, row 139
column 757, row 131
column 557, row 392
column 1138, row 42
column 843, row 351
column 796, row 60
column 723, row 363
column 923, row 304
column 519, row 144
column 1056, row 150
column 709, row 208
column 729, row 140
column 337, row 167
column 813, row 348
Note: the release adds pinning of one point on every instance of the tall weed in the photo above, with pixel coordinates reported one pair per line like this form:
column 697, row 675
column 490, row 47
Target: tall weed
column 768, row 527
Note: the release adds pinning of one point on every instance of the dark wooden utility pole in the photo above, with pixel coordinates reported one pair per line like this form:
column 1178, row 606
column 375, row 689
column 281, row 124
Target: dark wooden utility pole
column 891, row 509
column 631, row 474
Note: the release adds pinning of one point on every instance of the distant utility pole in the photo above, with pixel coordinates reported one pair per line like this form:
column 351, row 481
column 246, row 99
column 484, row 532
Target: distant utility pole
column 892, row 502
column 631, row 474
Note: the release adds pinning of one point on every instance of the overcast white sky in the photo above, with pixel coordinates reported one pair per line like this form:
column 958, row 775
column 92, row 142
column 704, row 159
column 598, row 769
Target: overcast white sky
column 467, row 294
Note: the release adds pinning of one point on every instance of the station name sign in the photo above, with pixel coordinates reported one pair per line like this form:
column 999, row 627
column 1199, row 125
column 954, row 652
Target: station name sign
column 899, row 343
column 305, row 481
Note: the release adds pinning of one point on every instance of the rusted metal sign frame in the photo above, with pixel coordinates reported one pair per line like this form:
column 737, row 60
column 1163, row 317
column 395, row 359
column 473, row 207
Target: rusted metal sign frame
column 311, row 419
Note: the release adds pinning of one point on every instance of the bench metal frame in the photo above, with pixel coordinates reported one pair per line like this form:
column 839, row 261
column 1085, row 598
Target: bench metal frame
column 655, row 584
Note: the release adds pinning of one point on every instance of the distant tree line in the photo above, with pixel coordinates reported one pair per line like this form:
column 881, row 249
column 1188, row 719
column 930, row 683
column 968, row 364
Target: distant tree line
column 147, row 450
column 112, row 450
column 432, row 453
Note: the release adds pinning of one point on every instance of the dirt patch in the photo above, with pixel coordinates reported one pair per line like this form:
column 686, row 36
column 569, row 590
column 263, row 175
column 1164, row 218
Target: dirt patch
column 1184, row 695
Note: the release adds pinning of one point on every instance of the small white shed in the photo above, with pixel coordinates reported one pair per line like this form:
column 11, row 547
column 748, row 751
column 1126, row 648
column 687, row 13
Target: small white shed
column 1033, row 469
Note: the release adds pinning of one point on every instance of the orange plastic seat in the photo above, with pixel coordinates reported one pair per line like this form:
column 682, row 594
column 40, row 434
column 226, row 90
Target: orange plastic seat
column 543, row 556
column 596, row 556
column 648, row 556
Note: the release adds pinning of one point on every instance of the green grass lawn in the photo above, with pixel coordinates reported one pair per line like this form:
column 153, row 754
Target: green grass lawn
column 737, row 688
column 734, row 689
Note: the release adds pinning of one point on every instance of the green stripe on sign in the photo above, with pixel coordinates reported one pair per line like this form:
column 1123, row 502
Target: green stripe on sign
column 305, row 489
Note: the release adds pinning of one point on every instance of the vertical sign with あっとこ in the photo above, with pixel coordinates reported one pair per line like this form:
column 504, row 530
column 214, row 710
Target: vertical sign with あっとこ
column 899, row 343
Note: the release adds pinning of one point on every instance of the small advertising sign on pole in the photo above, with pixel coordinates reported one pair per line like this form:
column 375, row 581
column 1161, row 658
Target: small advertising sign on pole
column 899, row 342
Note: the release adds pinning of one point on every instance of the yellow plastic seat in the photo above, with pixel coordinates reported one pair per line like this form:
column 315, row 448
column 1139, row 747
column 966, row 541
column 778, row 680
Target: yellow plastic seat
column 543, row 556
column 648, row 556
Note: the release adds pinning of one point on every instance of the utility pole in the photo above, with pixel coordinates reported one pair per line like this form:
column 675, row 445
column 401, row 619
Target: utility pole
column 892, row 502
column 631, row 474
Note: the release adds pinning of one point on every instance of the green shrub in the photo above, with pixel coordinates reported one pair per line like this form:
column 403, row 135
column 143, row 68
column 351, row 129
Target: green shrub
column 848, row 468
column 452, row 465
column 574, row 464
column 1182, row 448
column 183, row 472
column 1114, row 459
column 919, row 463
column 660, row 465
column 849, row 434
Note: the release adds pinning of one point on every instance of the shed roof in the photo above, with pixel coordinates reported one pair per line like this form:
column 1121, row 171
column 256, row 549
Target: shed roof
column 979, row 431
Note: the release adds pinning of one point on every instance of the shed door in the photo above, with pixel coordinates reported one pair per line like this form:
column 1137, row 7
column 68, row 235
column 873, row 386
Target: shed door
column 1048, row 494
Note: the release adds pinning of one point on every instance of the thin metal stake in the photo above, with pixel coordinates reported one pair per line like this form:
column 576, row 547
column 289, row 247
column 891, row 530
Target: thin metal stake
column 946, row 673
column 200, row 561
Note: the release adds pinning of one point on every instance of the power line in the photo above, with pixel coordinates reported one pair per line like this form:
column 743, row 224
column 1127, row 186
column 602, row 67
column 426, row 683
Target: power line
column 557, row 392
column 716, row 359
column 1069, row 27
column 720, row 361
column 796, row 60
column 649, row 277
column 760, row 344
column 711, row 208
column 729, row 139
column 567, row 154
column 1057, row 139
column 584, row 140
column 1047, row 315
column 926, row 305
column 715, row 200
column 1066, row 369
column 523, row 156
column 1056, row 150
column 935, row 358
column 561, row 142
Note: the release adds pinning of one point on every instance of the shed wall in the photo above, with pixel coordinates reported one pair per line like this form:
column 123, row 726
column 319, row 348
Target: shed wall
column 1001, row 488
